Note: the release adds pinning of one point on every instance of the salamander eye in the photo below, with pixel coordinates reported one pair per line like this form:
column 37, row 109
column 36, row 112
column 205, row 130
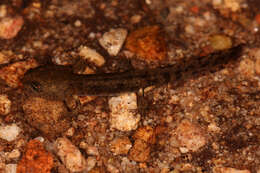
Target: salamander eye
column 36, row 86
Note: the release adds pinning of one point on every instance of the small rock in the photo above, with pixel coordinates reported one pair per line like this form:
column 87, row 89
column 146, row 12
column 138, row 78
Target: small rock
column 147, row 43
column 228, row 170
column 10, row 26
column 49, row 116
column 184, row 150
column 136, row 19
column 257, row 63
column 213, row 128
column 5, row 105
column 91, row 162
column 35, row 159
column 15, row 154
column 112, row 169
column 146, row 134
column 120, row 145
column 12, row 73
column 190, row 136
column 40, row 138
column 70, row 155
column 113, row 40
column 123, row 108
column 124, row 122
column 9, row 132
column 189, row 29
column 70, row 131
column 247, row 68
column 140, row 152
column 10, row 168
column 3, row 11
column 86, row 99
column 5, row 57
column 77, row 23
column 92, row 150
column 216, row 2
column 91, row 55
column 234, row 5
column 63, row 57
column 220, row 42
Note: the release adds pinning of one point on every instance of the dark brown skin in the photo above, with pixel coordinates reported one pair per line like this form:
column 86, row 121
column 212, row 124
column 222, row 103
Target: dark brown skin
column 59, row 82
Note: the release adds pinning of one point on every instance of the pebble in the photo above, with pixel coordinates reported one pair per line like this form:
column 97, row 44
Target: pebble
column 234, row 5
column 190, row 136
column 148, row 43
column 5, row 57
column 113, row 40
column 92, row 150
column 48, row 116
column 120, row 145
column 91, row 55
column 70, row 132
column 10, row 26
column 112, row 169
column 9, row 132
column 35, row 159
column 91, row 162
column 189, row 29
column 140, row 152
column 228, row 170
column 216, row 2
column 70, row 155
column 220, row 42
column 212, row 127
column 3, row 11
column 15, row 154
column 146, row 133
column 10, row 168
column 5, row 105
column 123, row 116
column 135, row 19
column 247, row 68
column 256, row 54
column 257, row 18
column 77, row 23
column 12, row 73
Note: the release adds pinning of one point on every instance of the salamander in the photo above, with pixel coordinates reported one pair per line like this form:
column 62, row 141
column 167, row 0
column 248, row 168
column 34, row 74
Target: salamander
column 59, row 82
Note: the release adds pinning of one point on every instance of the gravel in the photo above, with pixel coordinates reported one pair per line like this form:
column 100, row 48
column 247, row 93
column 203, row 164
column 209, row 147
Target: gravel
column 9, row 132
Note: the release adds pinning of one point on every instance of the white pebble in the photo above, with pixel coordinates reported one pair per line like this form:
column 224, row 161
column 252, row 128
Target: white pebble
column 123, row 112
column 77, row 23
column 9, row 132
column 70, row 155
column 190, row 136
column 5, row 105
column 10, row 168
column 91, row 55
column 113, row 40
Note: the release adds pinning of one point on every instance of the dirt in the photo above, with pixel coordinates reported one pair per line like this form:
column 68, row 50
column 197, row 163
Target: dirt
column 193, row 65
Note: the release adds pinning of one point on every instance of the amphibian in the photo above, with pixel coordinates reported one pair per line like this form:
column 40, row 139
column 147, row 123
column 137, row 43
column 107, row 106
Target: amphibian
column 59, row 82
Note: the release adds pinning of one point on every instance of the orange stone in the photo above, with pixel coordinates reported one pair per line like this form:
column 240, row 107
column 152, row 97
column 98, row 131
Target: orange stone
column 35, row 159
column 147, row 43
column 140, row 152
column 257, row 18
column 146, row 133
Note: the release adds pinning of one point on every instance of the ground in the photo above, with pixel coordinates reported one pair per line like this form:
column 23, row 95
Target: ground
column 206, row 121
